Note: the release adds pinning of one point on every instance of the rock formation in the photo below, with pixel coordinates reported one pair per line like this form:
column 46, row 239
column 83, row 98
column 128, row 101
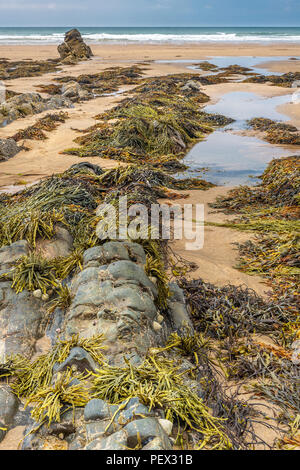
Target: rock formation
column 73, row 48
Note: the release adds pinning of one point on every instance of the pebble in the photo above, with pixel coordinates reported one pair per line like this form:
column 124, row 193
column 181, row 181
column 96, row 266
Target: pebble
column 166, row 425
column 37, row 293
column 156, row 326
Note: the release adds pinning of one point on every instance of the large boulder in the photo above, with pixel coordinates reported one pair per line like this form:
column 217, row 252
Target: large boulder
column 73, row 48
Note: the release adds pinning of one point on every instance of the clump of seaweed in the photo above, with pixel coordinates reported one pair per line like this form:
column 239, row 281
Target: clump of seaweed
column 62, row 299
column 206, row 66
column 33, row 272
column 51, row 394
column 231, row 312
column 29, row 377
column 51, row 401
column 106, row 82
column 276, row 132
column 47, row 123
column 285, row 80
column 50, row 89
column 27, row 68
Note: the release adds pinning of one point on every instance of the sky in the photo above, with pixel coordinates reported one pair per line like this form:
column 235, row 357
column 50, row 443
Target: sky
column 149, row 13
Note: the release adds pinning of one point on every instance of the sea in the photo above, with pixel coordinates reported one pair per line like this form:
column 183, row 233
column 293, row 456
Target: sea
column 163, row 35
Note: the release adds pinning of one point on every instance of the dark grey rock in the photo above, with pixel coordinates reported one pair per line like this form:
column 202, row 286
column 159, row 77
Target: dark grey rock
column 80, row 358
column 20, row 319
column 98, row 409
column 142, row 430
column 8, row 408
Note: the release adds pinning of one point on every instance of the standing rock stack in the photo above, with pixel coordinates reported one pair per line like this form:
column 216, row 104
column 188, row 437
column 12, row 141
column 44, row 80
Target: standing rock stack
column 74, row 48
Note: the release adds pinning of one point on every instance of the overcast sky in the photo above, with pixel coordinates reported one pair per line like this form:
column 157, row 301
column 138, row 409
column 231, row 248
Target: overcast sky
column 150, row 13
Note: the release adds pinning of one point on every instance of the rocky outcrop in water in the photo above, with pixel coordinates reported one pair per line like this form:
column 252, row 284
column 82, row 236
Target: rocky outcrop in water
column 74, row 48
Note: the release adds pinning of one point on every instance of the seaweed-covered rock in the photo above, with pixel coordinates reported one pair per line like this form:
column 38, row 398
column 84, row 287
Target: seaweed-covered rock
column 123, row 426
column 8, row 149
column 73, row 48
column 30, row 103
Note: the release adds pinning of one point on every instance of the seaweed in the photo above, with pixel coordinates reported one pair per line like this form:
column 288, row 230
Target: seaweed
column 50, row 89
column 27, row 68
column 152, row 126
column 47, row 123
column 106, row 82
column 271, row 210
column 206, row 66
column 276, row 132
column 285, row 80
column 51, row 394
column 159, row 382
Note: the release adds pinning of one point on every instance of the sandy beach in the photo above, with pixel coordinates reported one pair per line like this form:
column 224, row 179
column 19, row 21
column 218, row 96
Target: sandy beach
column 44, row 158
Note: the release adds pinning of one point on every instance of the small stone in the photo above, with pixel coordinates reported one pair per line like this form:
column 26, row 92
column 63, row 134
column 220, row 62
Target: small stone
column 37, row 293
column 45, row 297
column 166, row 425
column 156, row 326
column 159, row 318
column 61, row 436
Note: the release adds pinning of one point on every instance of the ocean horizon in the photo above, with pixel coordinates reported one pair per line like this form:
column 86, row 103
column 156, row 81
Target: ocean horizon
column 155, row 35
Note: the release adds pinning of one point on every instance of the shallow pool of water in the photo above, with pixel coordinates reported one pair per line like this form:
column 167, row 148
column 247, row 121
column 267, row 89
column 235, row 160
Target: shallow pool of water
column 234, row 159
column 243, row 106
column 250, row 62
